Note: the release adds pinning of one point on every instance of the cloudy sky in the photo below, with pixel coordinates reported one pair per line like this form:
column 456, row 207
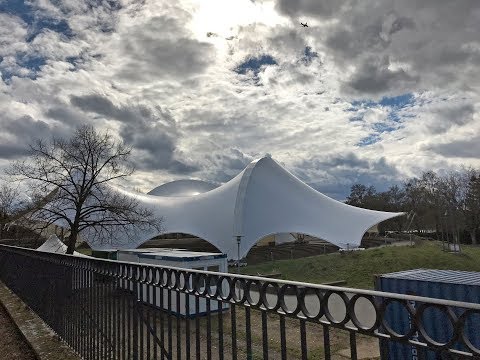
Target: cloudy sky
column 371, row 91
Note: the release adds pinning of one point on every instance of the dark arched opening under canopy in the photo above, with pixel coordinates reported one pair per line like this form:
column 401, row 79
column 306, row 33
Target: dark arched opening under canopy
column 180, row 241
column 283, row 246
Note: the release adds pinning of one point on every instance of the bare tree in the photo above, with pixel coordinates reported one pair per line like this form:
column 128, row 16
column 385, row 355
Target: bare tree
column 8, row 197
column 70, row 180
column 361, row 196
column 394, row 200
column 471, row 203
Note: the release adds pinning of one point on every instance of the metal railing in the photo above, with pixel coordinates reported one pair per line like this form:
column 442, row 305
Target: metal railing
column 116, row 310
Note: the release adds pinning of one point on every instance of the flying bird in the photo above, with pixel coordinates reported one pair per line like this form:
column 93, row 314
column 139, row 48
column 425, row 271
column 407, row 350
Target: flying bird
column 304, row 25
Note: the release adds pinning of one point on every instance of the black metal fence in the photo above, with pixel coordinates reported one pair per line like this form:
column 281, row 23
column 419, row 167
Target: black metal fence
column 116, row 310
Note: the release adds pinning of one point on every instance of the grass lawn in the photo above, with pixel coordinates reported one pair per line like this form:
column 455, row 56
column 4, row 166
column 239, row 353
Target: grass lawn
column 86, row 251
column 358, row 268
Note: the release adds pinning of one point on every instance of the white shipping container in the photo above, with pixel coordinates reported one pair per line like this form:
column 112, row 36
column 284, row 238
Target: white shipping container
column 175, row 258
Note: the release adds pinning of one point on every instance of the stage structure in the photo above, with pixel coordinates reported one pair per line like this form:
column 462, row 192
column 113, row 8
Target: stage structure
column 262, row 200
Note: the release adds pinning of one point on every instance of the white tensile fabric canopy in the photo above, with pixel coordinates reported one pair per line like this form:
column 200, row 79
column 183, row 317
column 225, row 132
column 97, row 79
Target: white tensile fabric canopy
column 263, row 199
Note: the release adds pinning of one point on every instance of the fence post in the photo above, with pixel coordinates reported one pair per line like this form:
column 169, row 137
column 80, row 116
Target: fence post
column 136, row 304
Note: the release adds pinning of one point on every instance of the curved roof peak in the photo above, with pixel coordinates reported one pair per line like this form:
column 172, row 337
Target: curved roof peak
column 264, row 160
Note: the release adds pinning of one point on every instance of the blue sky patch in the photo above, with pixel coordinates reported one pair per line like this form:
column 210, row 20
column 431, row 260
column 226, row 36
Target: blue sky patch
column 74, row 60
column 395, row 102
column 32, row 63
column 356, row 104
column 398, row 102
column 309, row 55
column 383, row 127
column 18, row 8
column 111, row 4
column 61, row 27
column 394, row 105
column 35, row 23
column 368, row 140
column 378, row 129
column 255, row 64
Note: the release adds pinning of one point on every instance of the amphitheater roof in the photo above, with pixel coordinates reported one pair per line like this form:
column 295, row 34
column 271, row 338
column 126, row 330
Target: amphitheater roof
column 263, row 199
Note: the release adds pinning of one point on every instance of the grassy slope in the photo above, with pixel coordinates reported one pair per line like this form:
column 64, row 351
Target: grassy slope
column 358, row 268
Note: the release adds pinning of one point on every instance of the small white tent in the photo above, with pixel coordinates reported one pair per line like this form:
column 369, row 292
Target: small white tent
column 55, row 245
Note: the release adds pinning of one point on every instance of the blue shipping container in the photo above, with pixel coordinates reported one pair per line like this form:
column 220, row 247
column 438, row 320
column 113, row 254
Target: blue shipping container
column 440, row 284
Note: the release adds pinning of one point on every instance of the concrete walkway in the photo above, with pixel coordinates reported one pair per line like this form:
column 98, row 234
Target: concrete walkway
column 44, row 342
column 13, row 346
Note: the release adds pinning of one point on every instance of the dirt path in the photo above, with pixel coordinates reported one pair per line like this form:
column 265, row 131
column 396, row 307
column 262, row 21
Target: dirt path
column 12, row 345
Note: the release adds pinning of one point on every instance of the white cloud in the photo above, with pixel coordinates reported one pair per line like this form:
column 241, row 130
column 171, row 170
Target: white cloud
column 167, row 83
column 13, row 32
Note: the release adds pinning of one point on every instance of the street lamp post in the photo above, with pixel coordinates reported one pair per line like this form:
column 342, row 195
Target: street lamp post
column 448, row 225
column 239, row 239
column 445, row 226
column 410, row 215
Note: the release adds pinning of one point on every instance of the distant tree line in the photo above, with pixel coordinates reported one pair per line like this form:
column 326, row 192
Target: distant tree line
column 446, row 206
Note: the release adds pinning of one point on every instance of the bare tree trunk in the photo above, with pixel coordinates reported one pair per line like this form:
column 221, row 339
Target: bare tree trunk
column 72, row 240
column 473, row 236
column 74, row 172
column 417, row 226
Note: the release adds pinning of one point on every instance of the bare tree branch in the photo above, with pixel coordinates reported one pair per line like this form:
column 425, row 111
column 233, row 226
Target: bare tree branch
column 70, row 180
